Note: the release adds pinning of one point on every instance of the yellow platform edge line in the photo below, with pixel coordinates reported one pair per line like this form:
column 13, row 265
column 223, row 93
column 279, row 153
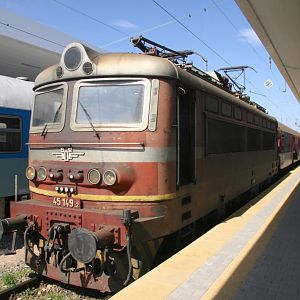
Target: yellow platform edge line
column 233, row 279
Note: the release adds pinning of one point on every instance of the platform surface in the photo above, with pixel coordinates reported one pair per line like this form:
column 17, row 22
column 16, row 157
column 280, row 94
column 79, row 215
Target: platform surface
column 254, row 254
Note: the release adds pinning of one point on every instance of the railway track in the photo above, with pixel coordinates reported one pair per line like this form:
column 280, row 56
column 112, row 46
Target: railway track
column 9, row 293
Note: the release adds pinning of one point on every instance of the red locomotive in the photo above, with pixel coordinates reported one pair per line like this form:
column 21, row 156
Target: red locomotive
column 126, row 149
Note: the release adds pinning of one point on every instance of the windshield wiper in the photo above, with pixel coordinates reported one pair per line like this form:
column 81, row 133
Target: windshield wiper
column 56, row 113
column 90, row 120
column 45, row 129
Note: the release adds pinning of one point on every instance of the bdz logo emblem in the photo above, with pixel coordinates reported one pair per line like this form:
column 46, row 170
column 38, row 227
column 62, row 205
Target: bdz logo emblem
column 67, row 154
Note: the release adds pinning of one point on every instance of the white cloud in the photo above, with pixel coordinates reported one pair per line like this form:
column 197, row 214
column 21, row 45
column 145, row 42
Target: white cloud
column 248, row 35
column 124, row 24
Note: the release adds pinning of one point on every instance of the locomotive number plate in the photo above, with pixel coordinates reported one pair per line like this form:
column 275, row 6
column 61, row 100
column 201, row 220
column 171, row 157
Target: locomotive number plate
column 66, row 202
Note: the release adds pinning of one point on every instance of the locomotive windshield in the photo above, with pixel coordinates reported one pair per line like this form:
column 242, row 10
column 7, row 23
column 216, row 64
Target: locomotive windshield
column 47, row 109
column 111, row 105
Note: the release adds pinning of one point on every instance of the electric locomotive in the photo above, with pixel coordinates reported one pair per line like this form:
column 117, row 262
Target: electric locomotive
column 126, row 149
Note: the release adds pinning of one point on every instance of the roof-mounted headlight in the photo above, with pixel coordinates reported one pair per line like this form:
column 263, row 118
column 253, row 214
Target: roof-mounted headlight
column 73, row 58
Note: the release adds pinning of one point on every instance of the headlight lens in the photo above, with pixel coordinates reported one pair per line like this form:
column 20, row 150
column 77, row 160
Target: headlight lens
column 94, row 176
column 42, row 173
column 72, row 58
column 30, row 173
column 110, row 177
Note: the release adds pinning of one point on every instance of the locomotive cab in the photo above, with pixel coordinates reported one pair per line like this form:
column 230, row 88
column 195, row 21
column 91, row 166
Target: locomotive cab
column 102, row 163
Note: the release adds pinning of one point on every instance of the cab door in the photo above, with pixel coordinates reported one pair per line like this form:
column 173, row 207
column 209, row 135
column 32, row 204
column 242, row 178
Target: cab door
column 186, row 121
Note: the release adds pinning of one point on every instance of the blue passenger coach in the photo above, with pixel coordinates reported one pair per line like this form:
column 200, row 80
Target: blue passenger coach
column 16, row 97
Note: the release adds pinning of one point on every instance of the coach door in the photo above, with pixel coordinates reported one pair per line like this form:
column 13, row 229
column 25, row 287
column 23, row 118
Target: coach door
column 186, row 137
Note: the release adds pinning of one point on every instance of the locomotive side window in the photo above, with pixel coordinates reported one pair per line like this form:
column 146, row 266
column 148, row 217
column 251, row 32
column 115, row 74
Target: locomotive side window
column 268, row 140
column 111, row 105
column 224, row 137
column 237, row 113
column 253, row 139
column 10, row 134
column 273, row 126
column 211, row 104
column 226, row 109
column 49, row 109
column 256, row 120
column 249, row 117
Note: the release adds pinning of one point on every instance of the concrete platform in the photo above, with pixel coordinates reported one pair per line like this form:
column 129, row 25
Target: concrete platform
column 254, row 254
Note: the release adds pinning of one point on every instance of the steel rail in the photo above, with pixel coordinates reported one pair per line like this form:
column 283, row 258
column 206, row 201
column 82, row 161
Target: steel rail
column 20, row 287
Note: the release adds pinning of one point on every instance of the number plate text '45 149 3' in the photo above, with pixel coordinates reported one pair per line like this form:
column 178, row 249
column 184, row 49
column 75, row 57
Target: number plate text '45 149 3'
column 66, row 202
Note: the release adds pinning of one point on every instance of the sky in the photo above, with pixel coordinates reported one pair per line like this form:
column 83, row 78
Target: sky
column 216, row 29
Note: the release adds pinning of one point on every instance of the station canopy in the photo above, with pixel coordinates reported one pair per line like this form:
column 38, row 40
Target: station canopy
column 28, row 47
column 277, row 24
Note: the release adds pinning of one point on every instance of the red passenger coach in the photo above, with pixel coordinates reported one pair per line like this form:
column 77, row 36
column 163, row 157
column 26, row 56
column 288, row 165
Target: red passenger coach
column 288, row 145
column 127, row 150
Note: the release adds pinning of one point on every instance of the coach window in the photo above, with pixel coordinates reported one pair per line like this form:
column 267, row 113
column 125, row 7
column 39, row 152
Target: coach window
column 268, row 125
column 10, row 134
column 226, row 109
column 264, row 123
column 211, row 104
column 237, row 113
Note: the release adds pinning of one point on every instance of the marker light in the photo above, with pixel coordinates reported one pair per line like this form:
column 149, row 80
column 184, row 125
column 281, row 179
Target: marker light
column 94, row 176
column 59, row 71
column 87, row 68
column 110, row 177
column 41, row 174
column 30, row 173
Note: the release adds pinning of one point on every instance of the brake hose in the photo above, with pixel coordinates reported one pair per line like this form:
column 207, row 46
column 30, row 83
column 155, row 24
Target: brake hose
column 26, row 241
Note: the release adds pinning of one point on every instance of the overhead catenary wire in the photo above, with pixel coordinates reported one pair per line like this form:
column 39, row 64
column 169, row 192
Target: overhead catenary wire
column 31, row 34
column 213, row 50
column 148, row 30
column 191, row 32
column 91, row 17
column 280, row 109
column 142, row 32
column 251, row 46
